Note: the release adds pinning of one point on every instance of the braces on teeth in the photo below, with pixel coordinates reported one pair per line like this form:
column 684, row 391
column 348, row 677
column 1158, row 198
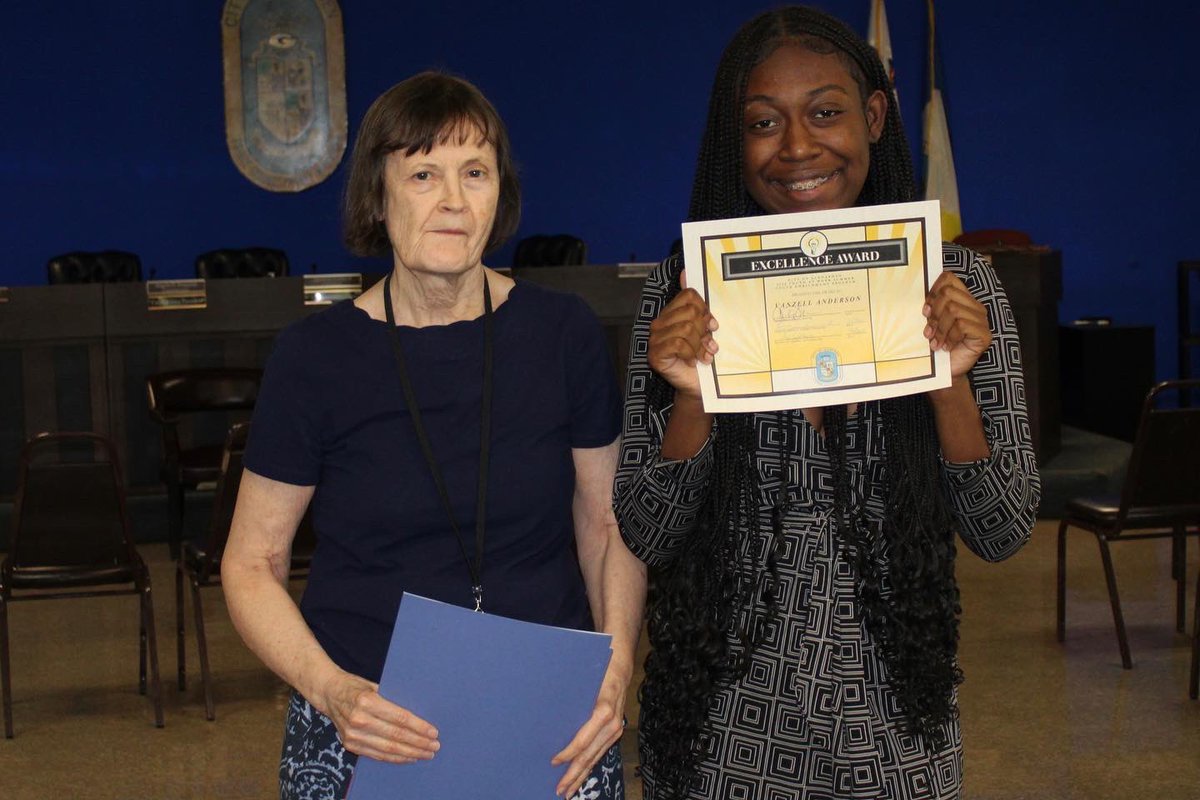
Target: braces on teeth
column 804, row 186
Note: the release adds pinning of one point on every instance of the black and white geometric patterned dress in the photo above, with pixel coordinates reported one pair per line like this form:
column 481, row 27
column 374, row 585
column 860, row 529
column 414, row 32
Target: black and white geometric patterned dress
column 814, row 718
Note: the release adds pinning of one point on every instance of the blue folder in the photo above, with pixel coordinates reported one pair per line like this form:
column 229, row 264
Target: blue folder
column 505, row 696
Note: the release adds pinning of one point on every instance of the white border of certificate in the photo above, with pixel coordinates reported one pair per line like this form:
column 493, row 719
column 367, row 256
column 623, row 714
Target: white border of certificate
column 818, row 308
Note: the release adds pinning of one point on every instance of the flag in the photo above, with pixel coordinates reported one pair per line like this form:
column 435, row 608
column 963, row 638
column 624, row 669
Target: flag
column 940, row 180
column 881, row 40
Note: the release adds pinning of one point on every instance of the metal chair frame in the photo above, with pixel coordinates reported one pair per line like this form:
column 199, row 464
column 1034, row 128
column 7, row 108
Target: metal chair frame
column 190, row 393
column 1160, row 498
column 67, row 580
column 200, row 567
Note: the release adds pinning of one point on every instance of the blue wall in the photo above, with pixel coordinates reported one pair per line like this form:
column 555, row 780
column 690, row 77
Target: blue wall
column 1079, row 127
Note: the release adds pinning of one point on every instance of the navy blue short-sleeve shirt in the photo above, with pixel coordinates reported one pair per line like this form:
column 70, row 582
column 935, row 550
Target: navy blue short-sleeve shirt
column 331, row 414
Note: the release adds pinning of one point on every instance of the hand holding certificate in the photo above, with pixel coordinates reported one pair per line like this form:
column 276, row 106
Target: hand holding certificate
column 818, row 308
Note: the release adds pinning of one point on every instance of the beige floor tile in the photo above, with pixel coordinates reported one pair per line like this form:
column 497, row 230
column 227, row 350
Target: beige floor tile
column 1040, row 720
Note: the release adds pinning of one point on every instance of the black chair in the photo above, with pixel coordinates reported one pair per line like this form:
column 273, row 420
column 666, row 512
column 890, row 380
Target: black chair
column 550, row 251
column 200, row 564
column 71, row 538
column 1160, row 498
column 189, row 462
column 246, row 262
column 105, row 266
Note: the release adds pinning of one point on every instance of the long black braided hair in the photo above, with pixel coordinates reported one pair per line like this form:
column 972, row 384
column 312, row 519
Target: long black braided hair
column 711, row 607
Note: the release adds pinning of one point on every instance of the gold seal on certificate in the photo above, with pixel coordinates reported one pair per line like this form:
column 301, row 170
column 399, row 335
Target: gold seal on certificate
column 818, row 308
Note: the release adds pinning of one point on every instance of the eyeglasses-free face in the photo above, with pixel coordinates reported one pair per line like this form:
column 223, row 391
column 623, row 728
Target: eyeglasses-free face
column 807, row 132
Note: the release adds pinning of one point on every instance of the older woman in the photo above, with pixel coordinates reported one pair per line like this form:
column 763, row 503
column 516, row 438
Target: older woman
column 445, row 407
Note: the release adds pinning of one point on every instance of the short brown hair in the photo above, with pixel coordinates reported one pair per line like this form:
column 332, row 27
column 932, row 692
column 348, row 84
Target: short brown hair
column 419, row 113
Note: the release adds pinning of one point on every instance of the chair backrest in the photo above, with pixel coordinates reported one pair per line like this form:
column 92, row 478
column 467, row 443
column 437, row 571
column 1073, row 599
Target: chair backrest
column 1164, row 470
column 245, row 262
column 550, row 251
column 188, row 398
column 187, row 391
column 225, row 500
column 69, row 509
column 106, row 266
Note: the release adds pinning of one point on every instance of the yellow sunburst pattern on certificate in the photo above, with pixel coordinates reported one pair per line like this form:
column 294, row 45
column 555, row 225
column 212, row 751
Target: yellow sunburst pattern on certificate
column 898, row 326
column 744, row 348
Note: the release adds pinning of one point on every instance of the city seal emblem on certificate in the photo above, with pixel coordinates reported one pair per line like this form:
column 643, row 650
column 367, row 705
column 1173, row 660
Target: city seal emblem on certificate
column 818, row 308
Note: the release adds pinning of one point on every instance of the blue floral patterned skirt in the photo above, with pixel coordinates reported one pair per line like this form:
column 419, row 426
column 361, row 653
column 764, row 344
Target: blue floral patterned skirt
column 315, row 766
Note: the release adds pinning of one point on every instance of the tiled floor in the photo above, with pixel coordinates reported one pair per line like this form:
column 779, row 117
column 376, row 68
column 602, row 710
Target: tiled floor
column 1041, row 720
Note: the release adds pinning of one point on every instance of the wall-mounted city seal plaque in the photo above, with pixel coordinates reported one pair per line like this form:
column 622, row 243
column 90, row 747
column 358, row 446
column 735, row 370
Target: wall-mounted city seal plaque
column 285, row 90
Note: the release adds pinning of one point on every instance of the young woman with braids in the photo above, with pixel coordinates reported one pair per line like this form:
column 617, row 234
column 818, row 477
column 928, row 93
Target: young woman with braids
column 804, row 614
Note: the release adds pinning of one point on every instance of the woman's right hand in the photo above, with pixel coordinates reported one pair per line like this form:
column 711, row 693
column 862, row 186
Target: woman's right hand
column 371, row 726
column 680, row 338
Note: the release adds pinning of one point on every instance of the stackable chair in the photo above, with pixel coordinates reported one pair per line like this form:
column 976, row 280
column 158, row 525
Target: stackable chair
column 550, row 251
column 188, row 396
column 200, row 563
column 1160, row 498
column 245, row 262
column 71, row 539
column 104, row 266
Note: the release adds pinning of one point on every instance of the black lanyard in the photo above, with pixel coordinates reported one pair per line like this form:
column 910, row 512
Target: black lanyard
column 485, row 424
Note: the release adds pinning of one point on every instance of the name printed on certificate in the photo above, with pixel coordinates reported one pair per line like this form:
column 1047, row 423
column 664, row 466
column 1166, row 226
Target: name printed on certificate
column 818, row 308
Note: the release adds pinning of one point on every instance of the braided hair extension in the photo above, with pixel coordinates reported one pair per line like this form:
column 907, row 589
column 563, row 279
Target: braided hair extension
column 695, row 604
column 703, row 620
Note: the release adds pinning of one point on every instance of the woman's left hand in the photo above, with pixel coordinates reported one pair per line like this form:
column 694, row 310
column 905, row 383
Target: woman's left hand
column 958, row 323
column 598, row 734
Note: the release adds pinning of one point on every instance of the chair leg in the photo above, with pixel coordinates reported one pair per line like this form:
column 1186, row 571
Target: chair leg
column 5, row 684
column 147, row 602
column 1180, row 553
column 175, row 513
column 1118, row 618
column 1194, row 682
column 141, row 647
column 1061, row 623
column 180, row 645
column 202, row 644
column 1175, row 555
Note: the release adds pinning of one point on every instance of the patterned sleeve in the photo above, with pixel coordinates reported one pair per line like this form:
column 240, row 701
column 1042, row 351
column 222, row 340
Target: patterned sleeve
column 995, row 499
column 655, row 499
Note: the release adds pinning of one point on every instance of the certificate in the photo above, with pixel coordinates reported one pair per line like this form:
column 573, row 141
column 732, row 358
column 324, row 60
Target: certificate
column 505, row 696
column 818, row 308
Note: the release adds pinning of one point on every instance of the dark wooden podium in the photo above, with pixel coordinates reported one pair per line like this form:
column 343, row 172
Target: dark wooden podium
column 1107, row 370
